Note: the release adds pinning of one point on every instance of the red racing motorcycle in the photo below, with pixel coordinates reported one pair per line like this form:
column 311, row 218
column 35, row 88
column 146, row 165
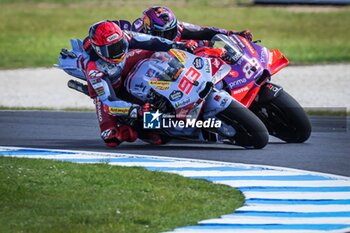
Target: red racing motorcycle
column 248, row 82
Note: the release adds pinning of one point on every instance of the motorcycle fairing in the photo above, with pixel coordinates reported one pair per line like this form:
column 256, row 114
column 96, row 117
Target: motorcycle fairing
column 272, row 60
column 277, row 61
column 215, row 103
column 186, row 93
column 249, row 98
column 219, row 69
column 250, row 70
column 191, row 82
column 241, row 92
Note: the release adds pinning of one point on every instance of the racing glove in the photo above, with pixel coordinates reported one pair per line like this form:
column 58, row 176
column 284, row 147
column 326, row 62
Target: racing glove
column 66, row 53
column 188, row 46
column 227, row 58
column 245, row 33
column 136, row 111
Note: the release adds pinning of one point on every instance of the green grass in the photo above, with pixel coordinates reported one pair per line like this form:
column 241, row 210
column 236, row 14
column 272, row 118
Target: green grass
column 339, row 112
column 33, row 32
column 51, row 196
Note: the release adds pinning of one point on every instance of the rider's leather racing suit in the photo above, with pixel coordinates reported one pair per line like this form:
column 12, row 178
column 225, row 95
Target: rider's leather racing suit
column 105, row 84
column 187, row 31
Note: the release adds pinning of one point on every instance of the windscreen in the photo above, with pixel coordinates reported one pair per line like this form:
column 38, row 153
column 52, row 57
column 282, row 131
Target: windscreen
column 231, row 48
column 168, row 67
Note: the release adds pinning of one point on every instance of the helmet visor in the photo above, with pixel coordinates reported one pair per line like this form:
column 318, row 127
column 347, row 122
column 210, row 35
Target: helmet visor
column 114, row 52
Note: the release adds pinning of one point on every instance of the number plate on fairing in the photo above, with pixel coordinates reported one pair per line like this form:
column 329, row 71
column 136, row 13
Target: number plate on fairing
column 181, row 91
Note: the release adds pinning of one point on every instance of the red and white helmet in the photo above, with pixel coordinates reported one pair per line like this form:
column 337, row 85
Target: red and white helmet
column 108, row 41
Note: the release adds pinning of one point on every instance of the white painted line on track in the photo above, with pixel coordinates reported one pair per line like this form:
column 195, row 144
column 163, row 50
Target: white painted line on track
column 299, row 195
column 235, row 173
column 277, row 199
column 255, row 231
column 275, row 220
column 262, row 183
column 295, row 208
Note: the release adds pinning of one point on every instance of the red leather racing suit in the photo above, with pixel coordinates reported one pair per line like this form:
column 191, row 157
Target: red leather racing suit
column 105, row 84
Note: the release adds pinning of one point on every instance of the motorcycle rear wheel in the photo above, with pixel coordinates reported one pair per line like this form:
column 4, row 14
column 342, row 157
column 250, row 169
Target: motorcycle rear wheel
column 284, row 118
column 251, row 133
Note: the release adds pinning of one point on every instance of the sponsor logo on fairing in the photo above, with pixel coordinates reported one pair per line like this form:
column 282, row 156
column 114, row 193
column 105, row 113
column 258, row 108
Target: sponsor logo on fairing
column 207, row 66
column 249, row 46
column 237, row 40
column 236, row 57
column 216, row 63
column 175, row 95
column 198, row 63
column 181, row 56
column 157, row 120
column 160, row 85
column 263, row 56
column 233, row 73
column 237, row 82
column 243, row 89
column 182, row 103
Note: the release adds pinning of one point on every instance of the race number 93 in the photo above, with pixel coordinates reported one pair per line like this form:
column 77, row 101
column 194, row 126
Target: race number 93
column 186, row 83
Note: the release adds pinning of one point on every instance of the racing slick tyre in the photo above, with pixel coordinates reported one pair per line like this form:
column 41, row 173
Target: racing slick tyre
column 250, row 131
column 284, row 118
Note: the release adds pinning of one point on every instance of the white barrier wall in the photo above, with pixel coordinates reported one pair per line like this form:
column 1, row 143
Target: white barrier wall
column 311, row 86
column 328, row 2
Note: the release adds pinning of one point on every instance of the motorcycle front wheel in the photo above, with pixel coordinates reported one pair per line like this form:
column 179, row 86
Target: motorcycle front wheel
column 284, row 118
column 250, row 131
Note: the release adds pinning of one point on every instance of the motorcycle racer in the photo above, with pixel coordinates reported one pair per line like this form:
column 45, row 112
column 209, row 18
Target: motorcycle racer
column 161, row 21
column 108, row 47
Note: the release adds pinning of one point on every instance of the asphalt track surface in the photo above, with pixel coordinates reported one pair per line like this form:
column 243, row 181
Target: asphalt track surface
column 327, row 150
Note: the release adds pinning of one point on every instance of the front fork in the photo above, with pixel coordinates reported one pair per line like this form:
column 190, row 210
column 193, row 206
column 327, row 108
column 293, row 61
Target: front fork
column 217, row 101
column 267, row 92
